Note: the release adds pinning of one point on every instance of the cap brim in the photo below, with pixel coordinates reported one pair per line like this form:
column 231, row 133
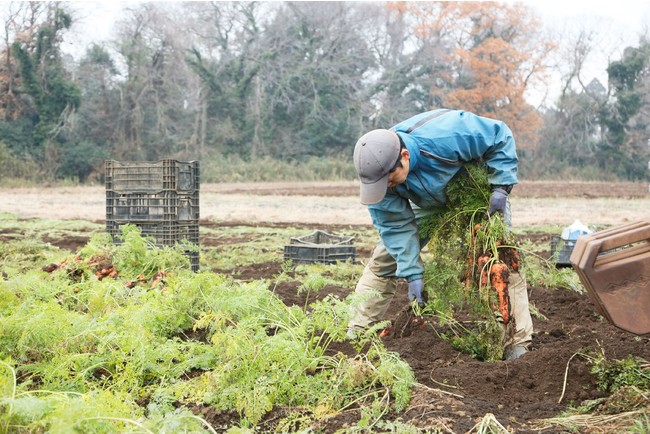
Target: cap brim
column 375, row 192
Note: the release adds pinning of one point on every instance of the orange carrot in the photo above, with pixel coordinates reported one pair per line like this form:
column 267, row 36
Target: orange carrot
column 499, row 275
column 158, row 277
column 385, row 332
column 481, row 262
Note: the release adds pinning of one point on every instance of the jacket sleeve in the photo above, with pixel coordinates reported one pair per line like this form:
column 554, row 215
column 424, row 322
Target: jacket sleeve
column 501, row 154
column 395, row 221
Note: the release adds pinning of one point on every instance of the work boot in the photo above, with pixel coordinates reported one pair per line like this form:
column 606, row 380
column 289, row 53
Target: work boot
column 513, row 352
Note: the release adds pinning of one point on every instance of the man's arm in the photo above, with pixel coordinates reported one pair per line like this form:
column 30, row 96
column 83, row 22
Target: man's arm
column 395, row 222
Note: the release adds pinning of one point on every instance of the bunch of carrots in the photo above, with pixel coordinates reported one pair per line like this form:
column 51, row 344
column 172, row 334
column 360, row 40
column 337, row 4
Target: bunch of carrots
column 489, row 268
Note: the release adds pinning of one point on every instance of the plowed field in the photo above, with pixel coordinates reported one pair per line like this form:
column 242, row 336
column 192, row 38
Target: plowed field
column 534, row 203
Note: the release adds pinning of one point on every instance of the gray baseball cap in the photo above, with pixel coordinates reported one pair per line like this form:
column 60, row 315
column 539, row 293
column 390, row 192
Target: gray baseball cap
column 375, row 154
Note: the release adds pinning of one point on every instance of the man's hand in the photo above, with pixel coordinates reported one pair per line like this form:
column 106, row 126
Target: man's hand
column 415, row 292
column 498, row 201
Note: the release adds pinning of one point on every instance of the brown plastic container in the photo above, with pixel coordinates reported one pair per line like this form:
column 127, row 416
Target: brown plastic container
column 579, row 250
column 614, row 266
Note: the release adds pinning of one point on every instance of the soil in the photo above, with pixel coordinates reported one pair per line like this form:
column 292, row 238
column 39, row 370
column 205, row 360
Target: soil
column 454, row 391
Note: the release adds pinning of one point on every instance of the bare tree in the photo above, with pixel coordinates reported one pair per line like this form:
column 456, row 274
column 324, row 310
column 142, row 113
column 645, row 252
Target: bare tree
column 158, row 100
column 314, row 77
column 225, row 56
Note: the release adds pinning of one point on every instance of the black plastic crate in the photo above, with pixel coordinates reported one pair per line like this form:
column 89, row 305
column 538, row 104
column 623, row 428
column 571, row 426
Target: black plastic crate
column 561, row 250
column 151, row 176
column 306, row 254
column 163, row 234
column 320, row 246
column 155, row 207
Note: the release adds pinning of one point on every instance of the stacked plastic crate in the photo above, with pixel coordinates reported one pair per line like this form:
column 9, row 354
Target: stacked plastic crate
column 160, row 197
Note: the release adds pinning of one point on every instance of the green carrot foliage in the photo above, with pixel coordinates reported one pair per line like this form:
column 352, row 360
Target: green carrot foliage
column 87, row 352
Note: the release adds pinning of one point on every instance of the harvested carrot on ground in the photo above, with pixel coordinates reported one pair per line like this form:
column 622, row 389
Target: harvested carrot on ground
column 158, row 277
column 384, row 333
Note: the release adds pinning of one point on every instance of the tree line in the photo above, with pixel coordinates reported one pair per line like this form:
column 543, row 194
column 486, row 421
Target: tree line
column 299, row 80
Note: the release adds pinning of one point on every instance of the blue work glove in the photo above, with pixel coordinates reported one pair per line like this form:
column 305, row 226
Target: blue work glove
column 498, row 201
column 415, row 292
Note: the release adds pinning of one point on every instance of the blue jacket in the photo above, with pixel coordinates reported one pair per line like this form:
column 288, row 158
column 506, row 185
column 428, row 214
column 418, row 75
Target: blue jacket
column 438, row 148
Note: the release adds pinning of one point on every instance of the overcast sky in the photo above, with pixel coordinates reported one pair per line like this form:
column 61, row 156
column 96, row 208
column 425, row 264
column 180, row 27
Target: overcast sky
column 623, row 18
column 617, row 23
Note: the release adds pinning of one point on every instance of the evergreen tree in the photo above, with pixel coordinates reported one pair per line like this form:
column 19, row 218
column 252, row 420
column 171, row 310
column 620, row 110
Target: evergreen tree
column 624, row 149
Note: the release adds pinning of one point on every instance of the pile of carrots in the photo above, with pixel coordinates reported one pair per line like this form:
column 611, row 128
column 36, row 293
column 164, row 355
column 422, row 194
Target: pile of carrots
column 102, row 269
